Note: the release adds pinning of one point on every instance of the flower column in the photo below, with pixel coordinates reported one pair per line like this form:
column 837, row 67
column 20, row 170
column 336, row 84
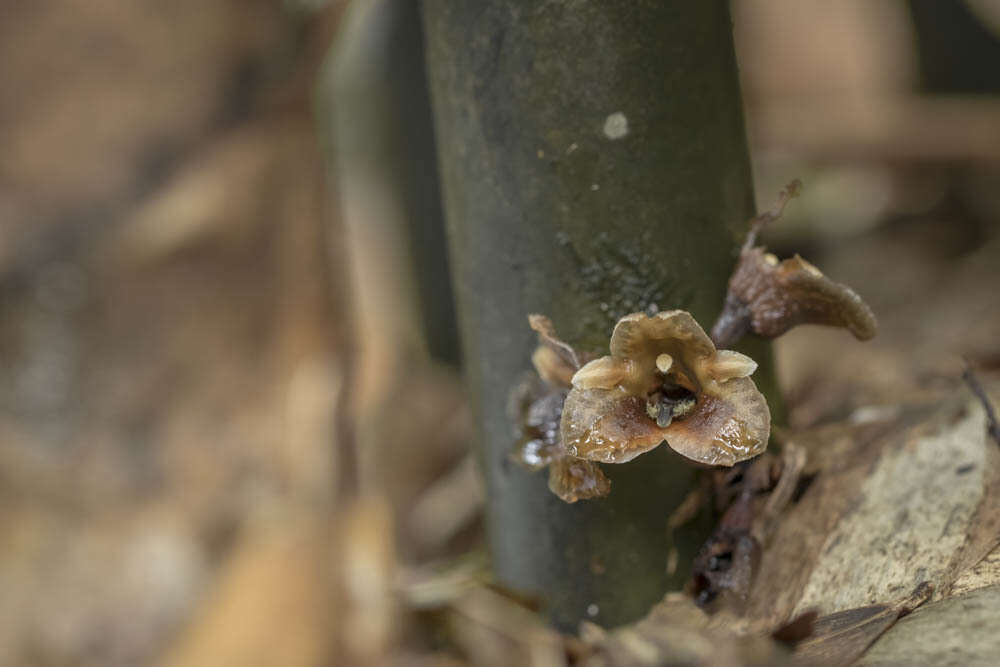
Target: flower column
column 594, row 164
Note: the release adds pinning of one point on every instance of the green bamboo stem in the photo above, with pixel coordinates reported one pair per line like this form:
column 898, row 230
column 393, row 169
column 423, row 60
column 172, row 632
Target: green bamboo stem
column 594, row 163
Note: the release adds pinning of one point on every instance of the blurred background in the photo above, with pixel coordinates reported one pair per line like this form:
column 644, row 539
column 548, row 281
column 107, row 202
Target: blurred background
column 232, row 429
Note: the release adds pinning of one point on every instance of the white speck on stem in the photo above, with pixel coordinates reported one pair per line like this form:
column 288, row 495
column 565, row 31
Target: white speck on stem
column 595, row 187
column 616, row 126
column 592, row 610
column 572, row 147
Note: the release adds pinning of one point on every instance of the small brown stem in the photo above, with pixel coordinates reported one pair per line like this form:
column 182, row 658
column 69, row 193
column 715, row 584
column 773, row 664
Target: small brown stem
column 734, row 321
column 790, row 192
column 732, row 324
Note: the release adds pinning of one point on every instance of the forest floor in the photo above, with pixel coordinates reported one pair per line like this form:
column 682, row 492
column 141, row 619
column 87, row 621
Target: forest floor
column 172, row 339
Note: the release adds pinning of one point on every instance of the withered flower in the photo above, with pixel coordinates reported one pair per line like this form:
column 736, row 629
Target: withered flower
column 538, row 407
column 770, row 297
column 555, row 361
column 665, row 380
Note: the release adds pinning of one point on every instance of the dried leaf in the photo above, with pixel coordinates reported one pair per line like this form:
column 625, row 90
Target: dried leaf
column 493, row 630
column 956, row 631
column 984, row 573
column 893, row 504
column 676, row 632
column 842, row 637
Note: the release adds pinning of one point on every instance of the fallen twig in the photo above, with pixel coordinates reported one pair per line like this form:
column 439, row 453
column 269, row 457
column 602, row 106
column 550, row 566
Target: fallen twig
column 992, row 425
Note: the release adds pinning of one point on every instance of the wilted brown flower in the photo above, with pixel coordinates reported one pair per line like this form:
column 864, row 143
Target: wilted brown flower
column 770, row 297
column 555, row 361
column 538, row 407
column 665, row 380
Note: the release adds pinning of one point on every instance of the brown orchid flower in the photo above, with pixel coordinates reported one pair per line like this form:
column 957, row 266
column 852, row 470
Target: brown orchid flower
column 770, row 297
column 538, row 408
column 665, row 381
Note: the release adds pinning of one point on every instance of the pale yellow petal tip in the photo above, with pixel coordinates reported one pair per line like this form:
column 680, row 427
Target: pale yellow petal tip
column 806, row 266
column 603, row 373
column 727, row 365
column 540, row 323
column 551, row 367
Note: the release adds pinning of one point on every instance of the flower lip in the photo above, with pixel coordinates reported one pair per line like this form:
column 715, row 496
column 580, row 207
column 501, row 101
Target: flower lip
column 615, row 410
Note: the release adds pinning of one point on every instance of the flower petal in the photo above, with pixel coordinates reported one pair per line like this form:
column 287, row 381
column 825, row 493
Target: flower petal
column 552, row 367
column 823, row 301
column 574, row 479
column 726, row 427
column 633, row 334
column 603, row 373
column 607, row 425
column 606, row 416
column 728, row 364
column 555, row 361
column 640, row 339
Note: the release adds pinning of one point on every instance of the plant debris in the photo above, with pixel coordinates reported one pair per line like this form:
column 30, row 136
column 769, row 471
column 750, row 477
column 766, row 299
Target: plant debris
column 676, row 632
column 992, row 426
column 955, row 631
column 871, row 526
column 753, row 494
column 842, row 637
